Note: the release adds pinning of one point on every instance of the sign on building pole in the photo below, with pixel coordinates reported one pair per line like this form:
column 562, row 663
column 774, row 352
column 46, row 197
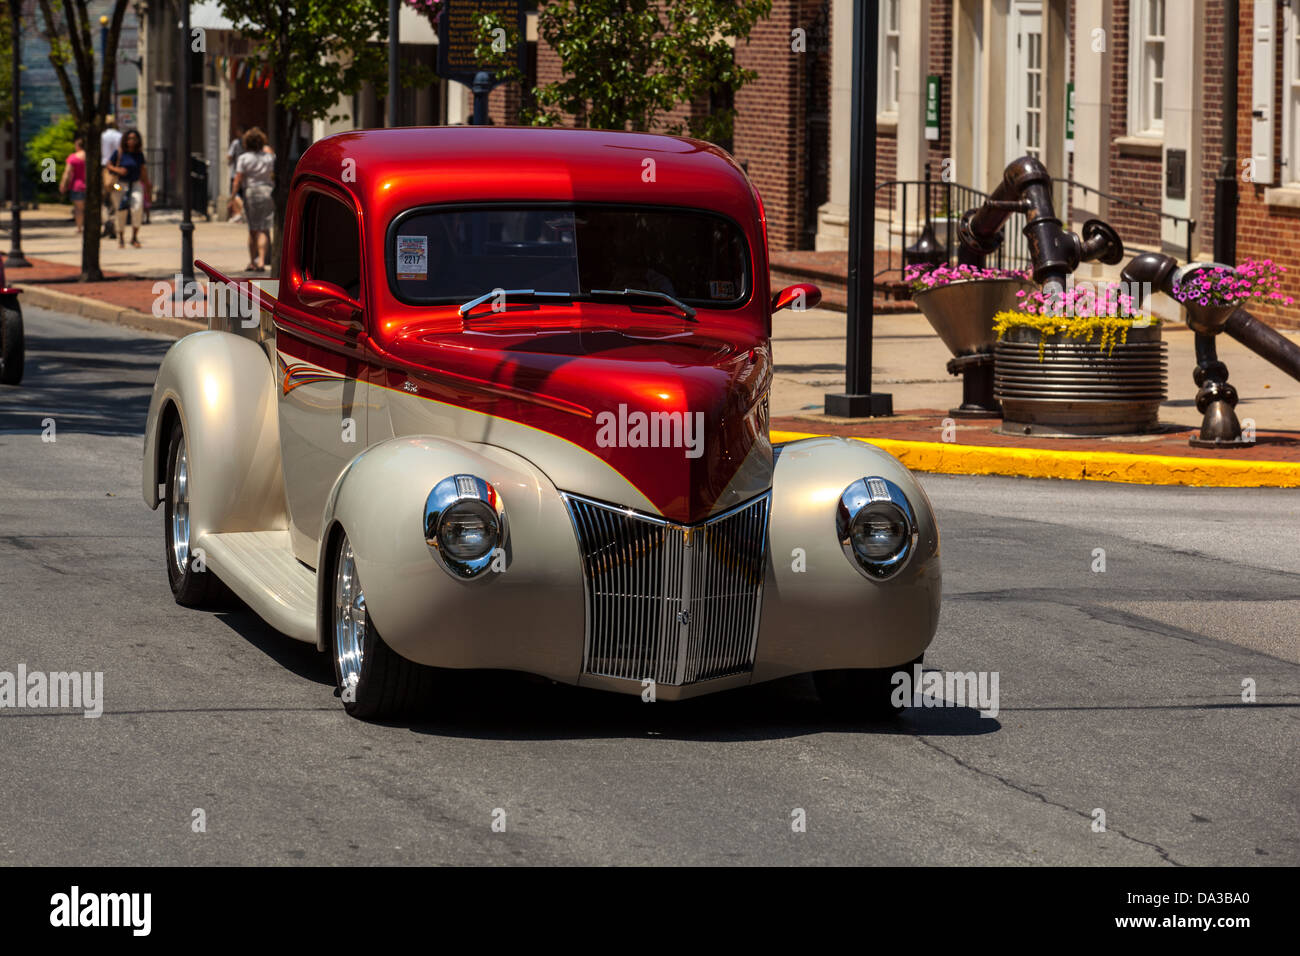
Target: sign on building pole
column 932, row 100
column 459, row 34
column 858, row 400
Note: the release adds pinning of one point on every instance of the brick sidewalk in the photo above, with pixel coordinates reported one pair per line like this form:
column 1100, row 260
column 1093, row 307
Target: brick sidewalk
column 123, row 291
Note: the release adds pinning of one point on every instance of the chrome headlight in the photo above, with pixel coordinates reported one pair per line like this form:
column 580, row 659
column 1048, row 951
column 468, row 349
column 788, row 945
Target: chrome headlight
column 876, row 527
column 464, row 524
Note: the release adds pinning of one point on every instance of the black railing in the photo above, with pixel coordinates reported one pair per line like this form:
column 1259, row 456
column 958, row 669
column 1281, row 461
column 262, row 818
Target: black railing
column 1189, row 224
column 907, row 198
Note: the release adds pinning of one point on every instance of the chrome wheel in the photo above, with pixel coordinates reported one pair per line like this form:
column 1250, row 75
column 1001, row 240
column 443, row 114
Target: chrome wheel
column 180, row 495
column 349, row 616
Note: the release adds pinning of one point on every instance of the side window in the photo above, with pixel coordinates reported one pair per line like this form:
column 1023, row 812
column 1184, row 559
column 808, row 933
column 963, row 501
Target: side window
column 331, row 245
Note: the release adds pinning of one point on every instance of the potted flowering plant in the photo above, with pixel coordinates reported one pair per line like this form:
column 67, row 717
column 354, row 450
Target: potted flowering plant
column 1079, row 362
column 960, row 302
column 1210, row 291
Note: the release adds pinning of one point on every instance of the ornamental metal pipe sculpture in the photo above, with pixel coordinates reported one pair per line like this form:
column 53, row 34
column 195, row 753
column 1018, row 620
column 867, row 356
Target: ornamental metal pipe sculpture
column 1082, row 392
column 1216, row 400
column 1056, row 253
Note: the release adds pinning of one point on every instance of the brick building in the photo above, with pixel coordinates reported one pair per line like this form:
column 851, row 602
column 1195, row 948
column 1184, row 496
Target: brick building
column 1146, row 82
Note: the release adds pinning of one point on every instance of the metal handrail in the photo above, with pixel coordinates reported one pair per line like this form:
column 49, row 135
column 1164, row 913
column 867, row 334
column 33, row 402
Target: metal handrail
column 957, row 198
column 1135, row 204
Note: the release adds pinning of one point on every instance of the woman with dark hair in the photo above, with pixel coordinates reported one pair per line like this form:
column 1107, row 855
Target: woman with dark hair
column 74, row 180
column 127, row 162
column 254, row 174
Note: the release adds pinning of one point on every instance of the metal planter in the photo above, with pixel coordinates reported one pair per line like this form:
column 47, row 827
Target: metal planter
column 961, row 313
column 1078, row 390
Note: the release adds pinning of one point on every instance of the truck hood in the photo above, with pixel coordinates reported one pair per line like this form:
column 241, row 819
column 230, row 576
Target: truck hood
column 678, row 409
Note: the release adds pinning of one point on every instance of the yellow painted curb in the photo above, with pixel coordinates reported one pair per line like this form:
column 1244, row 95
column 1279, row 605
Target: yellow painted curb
column 953, row 459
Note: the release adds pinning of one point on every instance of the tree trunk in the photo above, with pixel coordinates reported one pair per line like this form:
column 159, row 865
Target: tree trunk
column 92, row 221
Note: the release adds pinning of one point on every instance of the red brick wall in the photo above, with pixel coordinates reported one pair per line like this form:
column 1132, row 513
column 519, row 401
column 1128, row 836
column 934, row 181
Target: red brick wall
column 1136, row 178
column 1263, row 231
column 770, row 120
column 939, row 61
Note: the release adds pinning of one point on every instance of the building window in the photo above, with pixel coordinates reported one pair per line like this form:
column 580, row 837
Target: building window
column 1291, row 97
column 1146, row 97
column 887, row 85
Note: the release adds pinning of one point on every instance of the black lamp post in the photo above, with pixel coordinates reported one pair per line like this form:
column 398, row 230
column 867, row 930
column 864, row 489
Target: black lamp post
column 858, row 400
column 394, row 48
column 187, row 284
column 15, row 259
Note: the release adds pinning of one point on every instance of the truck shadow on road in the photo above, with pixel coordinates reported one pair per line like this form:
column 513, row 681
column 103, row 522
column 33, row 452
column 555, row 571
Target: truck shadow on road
column 508, row 705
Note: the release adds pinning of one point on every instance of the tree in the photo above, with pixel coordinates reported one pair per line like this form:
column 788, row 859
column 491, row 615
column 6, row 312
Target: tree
column 6, row 61
column 67, row 29
column 317, row 51
column 54, row 142
column 627, row 63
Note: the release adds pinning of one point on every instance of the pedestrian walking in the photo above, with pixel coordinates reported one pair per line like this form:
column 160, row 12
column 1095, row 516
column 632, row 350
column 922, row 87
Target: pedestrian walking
column 74, row 181
column 109, row 142
column 128, row 164
column 236, row 149
column 254, row 175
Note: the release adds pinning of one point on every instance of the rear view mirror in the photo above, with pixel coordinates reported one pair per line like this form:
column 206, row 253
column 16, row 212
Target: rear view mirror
column 800, row 297
column 330, row 299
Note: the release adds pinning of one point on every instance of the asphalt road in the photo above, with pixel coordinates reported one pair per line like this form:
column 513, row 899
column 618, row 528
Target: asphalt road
column 1120, row 691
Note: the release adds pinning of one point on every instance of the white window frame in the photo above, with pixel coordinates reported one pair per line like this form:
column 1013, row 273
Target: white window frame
column 1146, row 48
column 890, row 71
column 1290, row 36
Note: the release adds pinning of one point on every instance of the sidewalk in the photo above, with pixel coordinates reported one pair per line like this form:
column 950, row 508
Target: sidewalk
column 908, row 361
column 808, row 348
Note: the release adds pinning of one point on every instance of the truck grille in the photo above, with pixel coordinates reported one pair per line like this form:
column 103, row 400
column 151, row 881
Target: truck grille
column 668, row 602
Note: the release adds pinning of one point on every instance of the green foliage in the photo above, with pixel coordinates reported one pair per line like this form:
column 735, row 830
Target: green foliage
column 627, row 63
column 53, row 142
column 318, row 50
column 6, row 66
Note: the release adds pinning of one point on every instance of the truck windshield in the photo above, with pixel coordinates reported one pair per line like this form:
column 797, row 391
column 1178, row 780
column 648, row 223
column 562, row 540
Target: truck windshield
column 455, row 254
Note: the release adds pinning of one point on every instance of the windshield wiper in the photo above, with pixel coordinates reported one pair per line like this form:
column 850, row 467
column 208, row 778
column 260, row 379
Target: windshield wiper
column 648, row 294
column 508, row 294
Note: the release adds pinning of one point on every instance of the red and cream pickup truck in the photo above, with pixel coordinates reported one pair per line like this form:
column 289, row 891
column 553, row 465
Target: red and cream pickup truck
column 506, row 407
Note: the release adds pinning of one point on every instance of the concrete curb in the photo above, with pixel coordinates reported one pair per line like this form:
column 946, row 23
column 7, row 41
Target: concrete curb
column 106, row 312
column 955, row 459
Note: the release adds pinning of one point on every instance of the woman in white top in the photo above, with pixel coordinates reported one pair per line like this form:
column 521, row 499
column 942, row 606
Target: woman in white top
column 254, row 173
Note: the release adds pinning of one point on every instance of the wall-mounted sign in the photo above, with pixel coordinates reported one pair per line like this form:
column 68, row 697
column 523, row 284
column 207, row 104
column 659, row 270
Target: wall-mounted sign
column 1069, row 118
column 459, row 34
column 932, row 101
column 1175, row 174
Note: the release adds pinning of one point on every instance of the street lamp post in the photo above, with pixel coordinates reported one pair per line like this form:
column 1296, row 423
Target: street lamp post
column 858, row 400
column 187, row 282
column 15, row 258
column 394, row 47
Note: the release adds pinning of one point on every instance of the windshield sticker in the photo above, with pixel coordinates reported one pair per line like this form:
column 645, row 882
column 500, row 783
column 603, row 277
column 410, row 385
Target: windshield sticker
column 721, row 289
column 412, row 257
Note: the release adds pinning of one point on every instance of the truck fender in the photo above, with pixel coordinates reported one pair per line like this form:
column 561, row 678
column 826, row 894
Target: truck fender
column 819, row 612
column 528, row 616
column 222, row 388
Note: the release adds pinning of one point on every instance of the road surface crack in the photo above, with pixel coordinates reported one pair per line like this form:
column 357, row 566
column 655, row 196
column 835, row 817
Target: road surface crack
column 1164, row 854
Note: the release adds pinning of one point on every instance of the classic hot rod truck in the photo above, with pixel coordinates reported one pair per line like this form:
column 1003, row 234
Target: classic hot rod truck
column 506, row 407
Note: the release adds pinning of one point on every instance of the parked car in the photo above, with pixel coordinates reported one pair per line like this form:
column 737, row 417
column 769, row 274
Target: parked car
column 11, row 332
column 507, row 407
